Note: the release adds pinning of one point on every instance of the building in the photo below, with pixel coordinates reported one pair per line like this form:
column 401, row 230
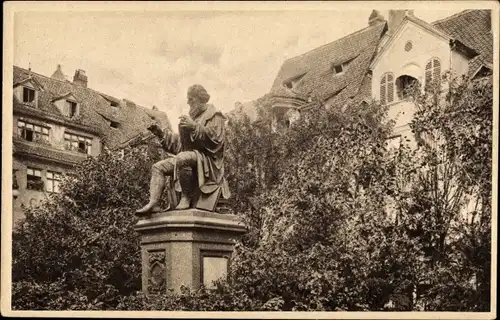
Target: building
column 57, row 123
column 379, row 61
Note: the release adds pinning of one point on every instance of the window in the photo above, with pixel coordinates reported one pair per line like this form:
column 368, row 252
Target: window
column 28, row 95
column 32, row 132
column 53, row 179
column 72, row 108
column 78, row 143
column 290, row 84
column 114, row 124
column 337, row 69
column 432, row 72
column 408, row 46
column 387, row 88
column 34, row 179
column 405, row 84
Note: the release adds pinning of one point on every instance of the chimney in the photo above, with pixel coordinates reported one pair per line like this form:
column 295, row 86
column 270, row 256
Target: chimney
column 154, row 108
column 395, row 19
column 58, row 74
column 80, row 78
column 375, row 18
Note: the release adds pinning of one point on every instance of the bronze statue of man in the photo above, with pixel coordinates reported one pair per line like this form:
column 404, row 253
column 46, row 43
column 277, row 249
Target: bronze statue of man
column 195, row 156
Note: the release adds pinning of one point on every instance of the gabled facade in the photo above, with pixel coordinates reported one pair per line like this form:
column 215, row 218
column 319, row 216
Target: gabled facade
column 58, row 123
column 381, row 60
column 415, row 53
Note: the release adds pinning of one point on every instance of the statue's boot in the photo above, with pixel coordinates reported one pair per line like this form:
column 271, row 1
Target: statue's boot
column 156, row 190
column 184, row 203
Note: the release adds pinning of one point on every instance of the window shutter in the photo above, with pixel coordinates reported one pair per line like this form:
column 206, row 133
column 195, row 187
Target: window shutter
column 437, row 71
column 428, row 73
column 382, row 91
column 390, row 88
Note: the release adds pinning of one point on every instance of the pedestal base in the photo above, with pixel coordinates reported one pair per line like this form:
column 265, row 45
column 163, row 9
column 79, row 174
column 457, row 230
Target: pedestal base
column 186, row 247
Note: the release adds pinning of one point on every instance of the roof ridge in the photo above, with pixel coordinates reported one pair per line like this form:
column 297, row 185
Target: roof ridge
column 88, row 88
column 329, row 43
column 452, row 16
column 42, row 75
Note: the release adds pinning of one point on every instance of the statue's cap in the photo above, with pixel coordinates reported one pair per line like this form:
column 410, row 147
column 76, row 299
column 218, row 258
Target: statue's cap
column 200, row 92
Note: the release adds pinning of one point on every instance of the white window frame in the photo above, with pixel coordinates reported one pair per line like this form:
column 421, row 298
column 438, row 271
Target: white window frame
column 34, row 96
column 53, row 180
column 39, row 133
column 70, row 103
column 72, row 142
column 33, row 172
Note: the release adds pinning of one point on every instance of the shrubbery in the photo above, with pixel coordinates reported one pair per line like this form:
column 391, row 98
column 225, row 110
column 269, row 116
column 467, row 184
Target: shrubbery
column 336, row 221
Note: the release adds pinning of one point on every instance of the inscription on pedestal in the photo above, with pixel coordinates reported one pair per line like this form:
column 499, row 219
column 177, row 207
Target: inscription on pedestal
column 157, row 282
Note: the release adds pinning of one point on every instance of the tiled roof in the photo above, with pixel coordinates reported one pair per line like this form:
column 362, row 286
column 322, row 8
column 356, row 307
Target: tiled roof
column 357, row 49
column 472, row 28
column 94, row 108
column 24, row 148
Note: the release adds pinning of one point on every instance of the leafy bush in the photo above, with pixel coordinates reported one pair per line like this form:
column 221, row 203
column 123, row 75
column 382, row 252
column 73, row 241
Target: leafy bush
column 82, row 241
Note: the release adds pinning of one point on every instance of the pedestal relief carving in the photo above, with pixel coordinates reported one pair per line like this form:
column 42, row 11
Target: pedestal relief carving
column 157, row 282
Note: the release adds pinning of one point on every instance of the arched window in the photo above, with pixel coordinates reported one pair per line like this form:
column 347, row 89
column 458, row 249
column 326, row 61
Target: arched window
column 387, row 88
column 405, row 84
column 433, row 71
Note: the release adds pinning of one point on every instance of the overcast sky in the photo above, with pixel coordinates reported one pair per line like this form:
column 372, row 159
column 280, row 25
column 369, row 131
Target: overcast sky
column 151, row 58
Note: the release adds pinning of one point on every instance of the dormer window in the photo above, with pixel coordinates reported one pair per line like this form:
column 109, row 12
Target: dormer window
column 68, row 105
column 114, row 106
column 26, row 91
column 28, row 95
column 72, row 108
column 292, row 83
column 114, row 124
column 338, row 69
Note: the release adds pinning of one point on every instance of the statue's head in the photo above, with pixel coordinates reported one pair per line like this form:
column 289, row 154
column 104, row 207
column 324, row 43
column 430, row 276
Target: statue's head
column 197, row 95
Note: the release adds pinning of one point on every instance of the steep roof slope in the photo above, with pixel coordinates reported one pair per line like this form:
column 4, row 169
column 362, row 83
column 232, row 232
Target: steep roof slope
column 472, row 28
column 95, row 109
column 356, row 49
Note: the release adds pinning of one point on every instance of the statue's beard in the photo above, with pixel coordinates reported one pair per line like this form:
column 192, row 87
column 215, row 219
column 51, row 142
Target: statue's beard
column 196, row 110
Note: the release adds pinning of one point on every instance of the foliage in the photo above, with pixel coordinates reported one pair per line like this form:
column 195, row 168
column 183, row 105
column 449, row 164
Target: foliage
column 81, row 242
column 337, row 220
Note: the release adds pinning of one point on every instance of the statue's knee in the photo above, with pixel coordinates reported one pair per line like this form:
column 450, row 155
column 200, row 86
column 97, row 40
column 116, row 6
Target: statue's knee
column 156, row 167
column 186, row 159
column 163, row 166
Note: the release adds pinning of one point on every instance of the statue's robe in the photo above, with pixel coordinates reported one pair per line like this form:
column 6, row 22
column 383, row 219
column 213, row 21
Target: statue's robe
column 207, row 141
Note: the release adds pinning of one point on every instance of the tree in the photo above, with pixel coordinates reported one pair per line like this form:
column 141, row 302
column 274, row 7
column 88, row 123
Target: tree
column 79, row 249
column 448, row 206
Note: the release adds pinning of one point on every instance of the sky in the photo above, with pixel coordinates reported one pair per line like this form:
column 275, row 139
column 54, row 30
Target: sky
column 152, row 57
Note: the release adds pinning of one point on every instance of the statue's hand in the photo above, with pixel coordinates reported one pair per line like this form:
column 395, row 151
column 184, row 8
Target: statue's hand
column 187, row 122
column 156, row 130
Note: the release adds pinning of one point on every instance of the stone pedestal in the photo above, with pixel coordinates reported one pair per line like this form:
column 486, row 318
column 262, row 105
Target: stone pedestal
column 186, row 247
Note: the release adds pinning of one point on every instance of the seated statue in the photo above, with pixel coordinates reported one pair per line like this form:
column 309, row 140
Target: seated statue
column 195, row 160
